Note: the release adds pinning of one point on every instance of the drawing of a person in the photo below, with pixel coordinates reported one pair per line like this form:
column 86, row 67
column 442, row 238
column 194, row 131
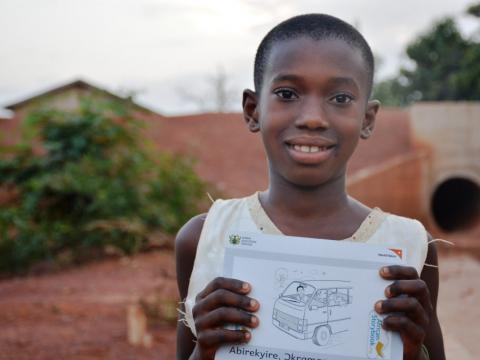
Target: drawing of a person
column 301, row 293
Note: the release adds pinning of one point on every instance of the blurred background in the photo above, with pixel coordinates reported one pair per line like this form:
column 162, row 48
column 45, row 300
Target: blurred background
column 108, row 113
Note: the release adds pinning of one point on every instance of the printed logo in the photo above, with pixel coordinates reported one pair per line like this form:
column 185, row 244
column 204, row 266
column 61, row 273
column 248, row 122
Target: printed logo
column 378, row 339
column 234, row 239
column 398, row 252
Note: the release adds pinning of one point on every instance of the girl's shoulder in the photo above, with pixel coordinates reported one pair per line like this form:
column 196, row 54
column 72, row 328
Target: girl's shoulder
column 188, row 236
column 404, row 226
column 195, row 230
column 406, row 233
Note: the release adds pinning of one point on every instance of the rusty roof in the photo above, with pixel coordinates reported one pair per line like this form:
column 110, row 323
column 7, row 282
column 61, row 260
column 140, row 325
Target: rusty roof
column 76, row 84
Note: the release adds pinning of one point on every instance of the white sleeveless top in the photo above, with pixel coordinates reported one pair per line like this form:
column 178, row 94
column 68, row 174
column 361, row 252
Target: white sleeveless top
column 247, row 215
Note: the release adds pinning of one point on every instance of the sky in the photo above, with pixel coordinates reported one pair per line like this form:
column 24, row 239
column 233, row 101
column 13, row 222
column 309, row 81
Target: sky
column 167, row 52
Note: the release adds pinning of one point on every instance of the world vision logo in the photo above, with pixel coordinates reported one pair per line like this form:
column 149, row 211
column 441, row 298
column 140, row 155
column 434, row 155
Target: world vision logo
column 398, row 252
column 234, row 239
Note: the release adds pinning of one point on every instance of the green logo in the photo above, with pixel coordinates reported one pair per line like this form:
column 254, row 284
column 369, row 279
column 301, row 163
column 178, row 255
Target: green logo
column 234, row 239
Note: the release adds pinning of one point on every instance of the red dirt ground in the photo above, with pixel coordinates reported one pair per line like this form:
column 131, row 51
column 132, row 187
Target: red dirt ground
column 81, row 313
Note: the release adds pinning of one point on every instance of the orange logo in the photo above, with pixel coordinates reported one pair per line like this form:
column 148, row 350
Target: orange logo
column 398, row 252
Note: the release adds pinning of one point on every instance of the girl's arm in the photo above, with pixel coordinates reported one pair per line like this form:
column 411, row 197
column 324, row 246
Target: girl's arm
column 185, row 249
column 433, row 339
column 223, row 301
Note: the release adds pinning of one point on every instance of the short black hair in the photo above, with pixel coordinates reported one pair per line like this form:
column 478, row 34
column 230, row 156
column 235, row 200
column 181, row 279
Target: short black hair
column 316, row 27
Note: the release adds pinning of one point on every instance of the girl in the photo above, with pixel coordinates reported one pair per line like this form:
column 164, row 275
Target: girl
column 313, row 77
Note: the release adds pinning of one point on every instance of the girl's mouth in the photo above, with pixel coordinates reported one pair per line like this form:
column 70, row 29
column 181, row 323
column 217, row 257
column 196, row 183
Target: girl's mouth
column 310, row 154
column 309, row 148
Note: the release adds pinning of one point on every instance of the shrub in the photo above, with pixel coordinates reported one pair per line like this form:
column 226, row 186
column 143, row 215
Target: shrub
column 86, row 184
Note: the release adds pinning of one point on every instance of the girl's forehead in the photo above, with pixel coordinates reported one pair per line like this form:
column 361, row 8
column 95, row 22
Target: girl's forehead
column 308, row 58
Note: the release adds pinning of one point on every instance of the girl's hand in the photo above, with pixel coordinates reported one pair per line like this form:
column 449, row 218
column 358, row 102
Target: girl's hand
column 222, row 302
column 409, row 307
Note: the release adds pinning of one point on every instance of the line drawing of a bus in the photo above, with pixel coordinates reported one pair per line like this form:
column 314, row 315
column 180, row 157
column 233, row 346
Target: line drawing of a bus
column 314, row 309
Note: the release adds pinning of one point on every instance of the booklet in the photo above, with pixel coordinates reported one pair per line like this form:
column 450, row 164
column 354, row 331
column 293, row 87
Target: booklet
column 316, row 298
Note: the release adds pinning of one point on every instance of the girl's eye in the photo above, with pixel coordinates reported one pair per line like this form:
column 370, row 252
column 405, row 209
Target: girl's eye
column 286, row 94
column 342, row 99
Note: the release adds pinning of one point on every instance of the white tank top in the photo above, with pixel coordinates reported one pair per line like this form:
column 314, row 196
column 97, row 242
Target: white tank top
column 247, row 215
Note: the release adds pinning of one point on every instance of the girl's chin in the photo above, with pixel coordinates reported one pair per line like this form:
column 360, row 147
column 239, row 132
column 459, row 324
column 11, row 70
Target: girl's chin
column 309, row 180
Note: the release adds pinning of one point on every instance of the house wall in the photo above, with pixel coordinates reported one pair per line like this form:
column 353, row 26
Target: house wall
column 67, row 100
column 226, row 154
column 233, row 159
column 10, row 130
column 396, row 186
column 391, row 137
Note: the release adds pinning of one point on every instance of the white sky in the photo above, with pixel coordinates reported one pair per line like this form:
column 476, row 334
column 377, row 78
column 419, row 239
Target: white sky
column 160, row 49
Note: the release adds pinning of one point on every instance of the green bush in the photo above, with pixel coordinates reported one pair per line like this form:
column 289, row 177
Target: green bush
column 88, row 184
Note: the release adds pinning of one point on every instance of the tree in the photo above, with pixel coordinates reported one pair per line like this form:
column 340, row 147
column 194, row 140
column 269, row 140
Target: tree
column 217, row 96
column 88, row 185
column 474, row 10
column 446, row 66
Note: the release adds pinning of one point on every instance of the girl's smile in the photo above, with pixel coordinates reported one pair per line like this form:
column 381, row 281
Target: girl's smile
column 310, row 150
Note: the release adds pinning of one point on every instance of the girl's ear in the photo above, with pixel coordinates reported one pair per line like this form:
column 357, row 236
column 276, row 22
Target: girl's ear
column 369, row 120
column 250, row 113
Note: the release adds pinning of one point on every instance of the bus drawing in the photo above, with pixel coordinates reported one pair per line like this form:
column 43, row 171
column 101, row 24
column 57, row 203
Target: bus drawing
column 314, row 309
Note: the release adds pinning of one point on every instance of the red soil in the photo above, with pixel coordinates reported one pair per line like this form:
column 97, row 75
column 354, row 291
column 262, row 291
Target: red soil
column 81, row 313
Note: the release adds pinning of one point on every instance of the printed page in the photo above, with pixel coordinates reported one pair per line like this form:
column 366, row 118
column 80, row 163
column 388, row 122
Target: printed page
column 316, row 298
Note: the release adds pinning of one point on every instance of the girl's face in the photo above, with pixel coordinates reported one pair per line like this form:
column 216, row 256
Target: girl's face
column 313, row 108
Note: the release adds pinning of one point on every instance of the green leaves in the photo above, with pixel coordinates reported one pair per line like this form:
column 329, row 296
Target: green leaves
column 446, row 67
column 82, row 181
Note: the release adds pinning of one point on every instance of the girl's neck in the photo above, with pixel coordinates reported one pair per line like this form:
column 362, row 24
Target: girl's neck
column 325, row 211
column 300, row 201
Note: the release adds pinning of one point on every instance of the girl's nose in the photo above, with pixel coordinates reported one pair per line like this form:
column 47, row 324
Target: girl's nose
column 312, row 117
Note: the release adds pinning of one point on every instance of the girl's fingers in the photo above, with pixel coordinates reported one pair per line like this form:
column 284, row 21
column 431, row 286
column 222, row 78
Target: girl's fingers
column 224, row 298
column 234, row 285
column 410, row 306
column 215, row 337
column 410, row 332
column 398, row 272
column 414, row 288
column 224, row 315
column 223, row 301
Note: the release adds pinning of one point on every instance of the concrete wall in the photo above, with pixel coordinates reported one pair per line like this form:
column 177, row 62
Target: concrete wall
column 451, row 133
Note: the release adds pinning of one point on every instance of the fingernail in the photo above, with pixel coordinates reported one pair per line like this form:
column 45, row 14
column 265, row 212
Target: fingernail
column 253, row 303
column 254, row 320
column 245, row 286
column 378, row 306
column 388, row 291
column 385, row 270
column 247, row 335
